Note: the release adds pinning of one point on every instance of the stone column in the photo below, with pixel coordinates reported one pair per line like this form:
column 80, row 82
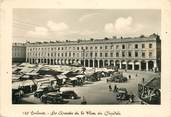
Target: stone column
column 140, row 66
column 133, row 66
column 114, row 63
column 103, row 63
column 120, row 65
column 88, row 63
column 126, row 65
column 146, row 65
column 98, row 64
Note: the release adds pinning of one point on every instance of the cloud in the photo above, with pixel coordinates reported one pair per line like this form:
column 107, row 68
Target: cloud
column 123, row 26
column 87, row 16
column 38, row 31
column 57, row 27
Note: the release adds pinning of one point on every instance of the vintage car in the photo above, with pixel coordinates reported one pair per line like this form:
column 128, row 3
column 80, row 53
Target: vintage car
column 69, row 95
column 117, row 77
column 52, row 98
column 43, row 89
column 122, row 94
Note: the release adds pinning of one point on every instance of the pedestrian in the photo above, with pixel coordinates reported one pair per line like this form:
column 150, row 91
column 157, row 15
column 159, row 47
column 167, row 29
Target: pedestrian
column 84, row 101
column 132, row 97
column 110, row 88
column 115, row 88
column 143, row 80
column 129, row 76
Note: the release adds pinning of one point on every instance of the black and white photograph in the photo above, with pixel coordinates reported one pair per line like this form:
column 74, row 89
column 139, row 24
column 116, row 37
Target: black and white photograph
column 86, row 56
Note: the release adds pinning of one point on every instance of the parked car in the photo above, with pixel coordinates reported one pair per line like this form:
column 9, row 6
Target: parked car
column 69, row 95
column 122, row 94
column 44, row 89
column 52, row 97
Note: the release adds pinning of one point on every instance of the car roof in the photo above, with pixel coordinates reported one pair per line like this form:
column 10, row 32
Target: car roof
column 53, row 93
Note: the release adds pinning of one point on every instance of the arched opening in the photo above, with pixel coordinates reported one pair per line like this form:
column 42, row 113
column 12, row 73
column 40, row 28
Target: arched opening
column 86, row 63
column 150, row 65
column 130, row 63
column 91, row 63
column 38, row 60
column 48, row 61
column 123, row 64
column 101, row 63
column 143, row 65
column 82, row 62
column 95, row 63
column 111, row 63
column 51, row 61
column 44, row 60
column 33, row 61
column 106, row 63
column 117, row 64
column 136, row 65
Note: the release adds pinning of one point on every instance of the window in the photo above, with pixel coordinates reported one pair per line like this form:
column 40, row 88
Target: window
column 82, row 48
column 73, row 54
column 123, row 46
column 150, row 45
column 136, row 46
column 91, row 54
column 117, row 54
column 105, row 47
column 70, row 54
column 136, row 54
column 86, row 47
column 95, row 54
column 143, row 45
column 91, row 48
column 111, row 54
column 143, row 54
column 101, row 54
column 62, row 54
column 123, row 54
column 95, row 47
column 59, row 48
column 73, row 48
column 100, row 47
column 129, row 54
column 117, row 46
column 106, row 54
column 62, row 48
column 66, row 54
column 150, row 54
column 77, row 48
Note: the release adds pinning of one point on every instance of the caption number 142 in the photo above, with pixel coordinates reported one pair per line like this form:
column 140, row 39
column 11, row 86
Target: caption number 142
column 25, row 113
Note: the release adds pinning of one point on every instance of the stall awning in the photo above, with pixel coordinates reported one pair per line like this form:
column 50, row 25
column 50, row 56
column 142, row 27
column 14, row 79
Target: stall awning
column 73, row 78
column 80, row 76
column 62, row 76
column 16, row 85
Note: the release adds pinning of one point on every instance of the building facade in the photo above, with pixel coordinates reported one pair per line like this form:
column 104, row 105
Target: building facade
column 138, row 53
column 18, row 52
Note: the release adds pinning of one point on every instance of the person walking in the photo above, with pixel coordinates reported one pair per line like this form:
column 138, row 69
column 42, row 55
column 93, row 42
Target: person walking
column 115, row 88
column 129, row 76
column 84, row 101
column 110, row 88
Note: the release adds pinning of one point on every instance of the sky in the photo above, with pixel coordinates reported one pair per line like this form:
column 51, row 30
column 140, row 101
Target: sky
column 73, row 24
